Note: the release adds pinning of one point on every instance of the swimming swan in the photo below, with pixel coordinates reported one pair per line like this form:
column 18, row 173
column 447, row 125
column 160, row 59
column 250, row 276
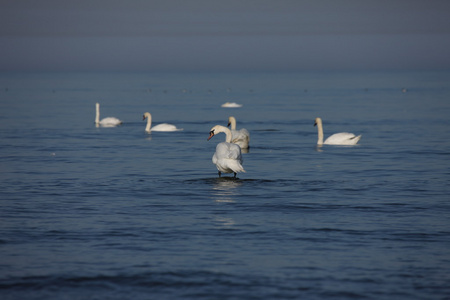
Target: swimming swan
column 240, row 137
column 342, row 138
column 231, row 104
column 159, row 127
column 106, row 122
column 228, row 157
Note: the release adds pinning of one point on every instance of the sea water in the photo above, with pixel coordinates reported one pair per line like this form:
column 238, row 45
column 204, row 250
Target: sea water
column 116, row 213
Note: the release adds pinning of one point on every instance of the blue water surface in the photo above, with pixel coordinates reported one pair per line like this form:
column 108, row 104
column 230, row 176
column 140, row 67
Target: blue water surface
column 116, row 213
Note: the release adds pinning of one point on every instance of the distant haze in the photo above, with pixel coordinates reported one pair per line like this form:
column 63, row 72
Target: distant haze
column 103, row 35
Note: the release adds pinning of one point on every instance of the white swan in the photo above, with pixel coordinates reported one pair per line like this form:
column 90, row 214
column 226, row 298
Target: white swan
column 231, row 104
column 228, row 157
column 342, row 138
column 240, row 137
column 106, row 122
column 159, row 127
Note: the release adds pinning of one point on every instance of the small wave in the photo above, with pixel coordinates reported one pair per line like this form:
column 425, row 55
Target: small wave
column 188, row 284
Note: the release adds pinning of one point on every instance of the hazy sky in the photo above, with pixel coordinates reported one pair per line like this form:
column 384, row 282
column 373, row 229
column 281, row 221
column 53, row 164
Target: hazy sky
column 148, row 35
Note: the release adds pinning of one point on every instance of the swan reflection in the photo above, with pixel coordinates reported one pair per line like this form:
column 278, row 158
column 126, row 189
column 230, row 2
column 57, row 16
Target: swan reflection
column 224, row 189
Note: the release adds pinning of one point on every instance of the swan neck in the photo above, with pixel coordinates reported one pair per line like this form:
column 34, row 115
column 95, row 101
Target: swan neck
column 219, row 128
column 228, row 135
column 149, row 122
column 232, row 121
column 97, row 113
column 320, row 133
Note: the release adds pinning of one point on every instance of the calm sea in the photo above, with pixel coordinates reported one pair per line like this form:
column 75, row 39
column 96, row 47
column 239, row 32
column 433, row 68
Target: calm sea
column 116, row 213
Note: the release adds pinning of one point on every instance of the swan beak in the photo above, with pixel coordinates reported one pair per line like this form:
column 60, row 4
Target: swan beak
column 229, row 123
column 143, row 118
column 315, row 123
column 211, row 134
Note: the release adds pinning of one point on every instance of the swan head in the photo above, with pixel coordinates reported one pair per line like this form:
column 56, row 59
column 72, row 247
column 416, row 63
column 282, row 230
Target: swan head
column 318, row 121
column 215, row 130
column 211, row 134
column 218, row 129
column 231, row 120
column 146, row 115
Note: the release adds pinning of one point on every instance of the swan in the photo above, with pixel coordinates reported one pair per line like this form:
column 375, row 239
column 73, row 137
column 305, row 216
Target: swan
column 341, row 138
column 240, row 137
column 231, row 104
column 106, row 122
column 228, row 157
column 159, row 127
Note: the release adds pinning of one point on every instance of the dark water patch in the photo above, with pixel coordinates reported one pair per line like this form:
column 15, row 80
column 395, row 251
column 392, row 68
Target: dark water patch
column 422, row 237
column 338, row 230
column 180, row 285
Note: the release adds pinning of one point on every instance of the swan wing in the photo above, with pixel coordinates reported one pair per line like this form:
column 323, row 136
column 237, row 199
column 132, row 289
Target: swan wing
column 240, row 137
column 229, row 150
column 342, row 138
column 110, row 121
column 228, row 158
